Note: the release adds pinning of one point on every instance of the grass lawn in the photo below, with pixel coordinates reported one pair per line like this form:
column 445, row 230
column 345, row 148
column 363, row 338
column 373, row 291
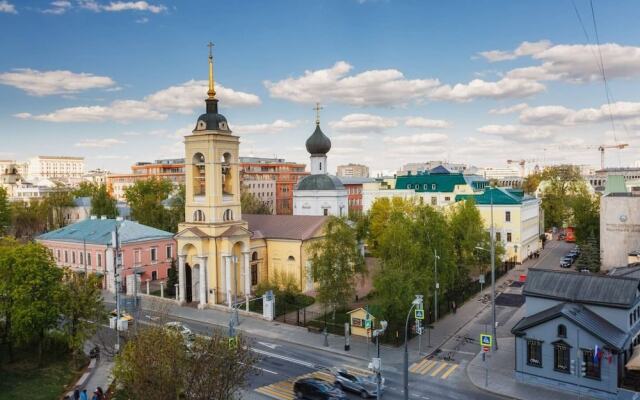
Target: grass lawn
column 24, row 380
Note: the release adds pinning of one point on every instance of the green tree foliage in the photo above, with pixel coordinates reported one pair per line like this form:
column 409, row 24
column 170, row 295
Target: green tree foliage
column 585, row 215
column 102, row 203
column 381, row 212
column 589, row 258
column 82, row 307
column 176, row 208
column 172, row 278
column 5, row 212
column 145, row 198
column 251, row 204
column 28, row 219
column 531, row 182
column 57, row 204
column 336, row 261
column 85, row 189
column 561, row 183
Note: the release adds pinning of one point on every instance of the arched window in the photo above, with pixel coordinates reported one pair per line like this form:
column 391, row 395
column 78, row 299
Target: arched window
column 198, row 216
column 199, row 181
column 254, row 256
column 291, row 258
column 227, row 180
column 227, row 216
column 562, row 331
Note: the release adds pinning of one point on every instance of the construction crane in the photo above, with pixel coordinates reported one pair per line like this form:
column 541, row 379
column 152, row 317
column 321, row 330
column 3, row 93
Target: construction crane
column 601, row 148
column 522, row 163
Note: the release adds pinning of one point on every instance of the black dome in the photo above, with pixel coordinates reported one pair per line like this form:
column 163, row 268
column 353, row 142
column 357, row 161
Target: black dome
column 213, row 121
column 318, row 142
column 320, row 182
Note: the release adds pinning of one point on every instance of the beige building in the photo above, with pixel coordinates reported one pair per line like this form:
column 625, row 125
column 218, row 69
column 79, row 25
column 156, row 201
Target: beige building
column 353, row 170
column 56, row 167
column 222, row 254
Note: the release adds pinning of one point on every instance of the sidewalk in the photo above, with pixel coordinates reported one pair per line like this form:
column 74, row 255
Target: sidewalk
column 499, row 369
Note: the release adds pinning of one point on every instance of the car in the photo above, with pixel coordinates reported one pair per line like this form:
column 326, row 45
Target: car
column 181, row 329
column 365, row 386
column 562, row 236
column 317, row 389
column 123, row 315
column 565, row 263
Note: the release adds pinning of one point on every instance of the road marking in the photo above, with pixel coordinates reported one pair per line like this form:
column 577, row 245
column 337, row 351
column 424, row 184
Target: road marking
column 449, row 371
column 269, row 345
column 356, row 371
column 284, row 358
column 440, row 368
column 416, row 366
column 459, row 352
column 266, row 370
column 283, row 390
column 423, row 370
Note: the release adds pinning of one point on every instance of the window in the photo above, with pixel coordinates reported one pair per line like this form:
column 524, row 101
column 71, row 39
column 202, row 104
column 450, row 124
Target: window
column 507, row 216
column 88, row 258
column 58, row 254
column 291, row 258
column 154, row 275
column 169, row 251
column 66, row 256
column 498, row 236
column 254, row 274
column 592, row 366
column 325, row 211
column 99, row 259
column 562, row 331
column 81, row 258
column 447, row 198
column 199, row 181
column 534, row 353
column 408, row 186
column 508, row 236
column 137, row 256
column 227, row 216
column 198, row 216
column 434, row 201
column 561, row 357
column 154, row 254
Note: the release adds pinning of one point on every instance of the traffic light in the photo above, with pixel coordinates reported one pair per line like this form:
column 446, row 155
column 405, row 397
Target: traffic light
column 583, row 369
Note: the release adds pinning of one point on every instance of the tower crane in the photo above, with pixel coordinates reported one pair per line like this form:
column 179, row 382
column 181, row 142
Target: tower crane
column 601, row 148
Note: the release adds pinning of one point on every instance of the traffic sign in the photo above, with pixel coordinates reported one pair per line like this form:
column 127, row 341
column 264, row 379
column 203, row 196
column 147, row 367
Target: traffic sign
column 419, row 314
column 486, row 340
column 486, row 349
column 233, row 342
column 367, row 323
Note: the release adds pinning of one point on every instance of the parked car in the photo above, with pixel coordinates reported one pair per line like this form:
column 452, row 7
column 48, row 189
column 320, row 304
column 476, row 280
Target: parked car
column 123, row 315
column 564, row 263
column 183, row 330
column 317, row 389
column 365, row 386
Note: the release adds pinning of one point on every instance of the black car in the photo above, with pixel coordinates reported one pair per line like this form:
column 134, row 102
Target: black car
column 317, row 389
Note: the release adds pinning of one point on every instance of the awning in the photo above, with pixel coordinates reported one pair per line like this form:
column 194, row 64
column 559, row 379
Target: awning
column 634, row 363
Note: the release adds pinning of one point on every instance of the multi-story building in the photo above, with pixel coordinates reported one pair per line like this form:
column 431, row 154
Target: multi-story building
column 87, row 245
column 598, row 179
column 354, row 188
column 515, row 217
column 96, row 176
column 579, row 333
column 353, row 171
column 263, row 190
column 170, row 169
column 416, row 168
column 619, row 228
column 500, row 172
column 285, row 174
column 55, row 167
column 27, row 191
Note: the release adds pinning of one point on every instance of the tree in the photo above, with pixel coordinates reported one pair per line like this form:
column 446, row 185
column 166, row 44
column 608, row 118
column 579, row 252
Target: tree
column 585, row 209
column 251, row 204
column 172, row 278
column 28, row 219
column 382, row 210
column 5, row 212
column 82, row 308
column 531, row 182
column 57, row 203
column 35, row 293
column 85, row 189
column 561, row 183
column 145, row 198
column 335, row 262
column 176, row 208
column 8, row 280
column 102, row 203
column 589, row 258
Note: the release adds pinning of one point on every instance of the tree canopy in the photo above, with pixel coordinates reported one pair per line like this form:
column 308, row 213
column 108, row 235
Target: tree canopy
column 5, row 212
column 251, row 204
column 146, row 198
column 102, row 203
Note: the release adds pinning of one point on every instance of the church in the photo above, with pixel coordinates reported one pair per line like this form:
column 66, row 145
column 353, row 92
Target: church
column 223, row 254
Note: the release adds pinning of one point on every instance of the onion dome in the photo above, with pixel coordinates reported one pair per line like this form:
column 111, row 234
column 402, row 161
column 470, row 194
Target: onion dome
column 318, row 143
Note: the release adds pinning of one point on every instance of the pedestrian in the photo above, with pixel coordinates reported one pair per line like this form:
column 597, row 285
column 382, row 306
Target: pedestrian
column 76, row 394
column 454, row 306
column 100, row 393
column 96, row 395
column 83, row 395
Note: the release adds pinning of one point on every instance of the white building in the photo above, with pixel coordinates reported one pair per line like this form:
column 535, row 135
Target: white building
column 57, row 167
column 420, row 167
column 619, row 228
column 500, row 172
column 320, row 193
column 353, row 170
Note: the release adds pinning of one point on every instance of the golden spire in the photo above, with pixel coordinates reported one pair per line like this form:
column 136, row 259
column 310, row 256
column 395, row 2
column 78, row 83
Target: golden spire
column 317, row 108
column 212, row 91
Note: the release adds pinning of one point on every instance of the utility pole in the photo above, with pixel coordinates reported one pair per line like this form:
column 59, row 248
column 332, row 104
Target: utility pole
column 416, row 302
column 377, row 363
column 436, row 257
column 493, row 274
column 115, row 241
column 84, row 256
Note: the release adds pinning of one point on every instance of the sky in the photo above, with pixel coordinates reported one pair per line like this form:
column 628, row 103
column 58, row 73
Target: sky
column 478, row 82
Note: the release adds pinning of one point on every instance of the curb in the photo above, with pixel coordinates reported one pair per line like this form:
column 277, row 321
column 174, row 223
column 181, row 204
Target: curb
column 84, row 378
column 484, row 389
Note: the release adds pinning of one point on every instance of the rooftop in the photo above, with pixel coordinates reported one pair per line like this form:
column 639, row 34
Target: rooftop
column 355, row 180
column 497, row 196
column 320, row 182
column 605, row 290
column 294, row 227
column 98, row 231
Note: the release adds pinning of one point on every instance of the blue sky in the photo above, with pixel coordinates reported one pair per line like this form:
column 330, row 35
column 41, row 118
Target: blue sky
column 478, row 82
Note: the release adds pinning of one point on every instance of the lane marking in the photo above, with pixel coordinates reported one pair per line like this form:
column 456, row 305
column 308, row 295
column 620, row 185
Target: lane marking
column 459, row 351
column 426, row 367
column 284, row 358
column 431, row 365
column 449, row 371
column 269, row 345
column 440, row 368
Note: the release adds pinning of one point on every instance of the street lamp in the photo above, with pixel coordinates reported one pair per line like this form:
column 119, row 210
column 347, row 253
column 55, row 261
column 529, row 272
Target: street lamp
column 376, row 334
column 416, row 302
column 436, row 257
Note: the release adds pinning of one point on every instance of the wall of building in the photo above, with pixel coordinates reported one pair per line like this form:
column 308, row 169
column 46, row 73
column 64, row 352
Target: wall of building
column 264, row 190
column 619, row 229
column 315, row 202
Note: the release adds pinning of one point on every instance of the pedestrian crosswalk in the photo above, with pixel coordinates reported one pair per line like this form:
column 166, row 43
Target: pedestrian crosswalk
column 283, row 390
column 434, row 368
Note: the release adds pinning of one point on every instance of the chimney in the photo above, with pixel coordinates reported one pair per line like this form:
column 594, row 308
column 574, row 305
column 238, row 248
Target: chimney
column 94, row 217
column 103, row 217
column 119, row 219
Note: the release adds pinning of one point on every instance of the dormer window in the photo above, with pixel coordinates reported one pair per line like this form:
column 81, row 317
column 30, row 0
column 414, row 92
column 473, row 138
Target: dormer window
column 562, row 331
column 223, row 126
column 201, row 126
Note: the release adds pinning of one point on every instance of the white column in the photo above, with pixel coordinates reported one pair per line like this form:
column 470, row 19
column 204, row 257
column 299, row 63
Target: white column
column 247, row 278
column 203, row 281
column 227, row 279
column 162, row 289
column 182, row 277
column 148, row 287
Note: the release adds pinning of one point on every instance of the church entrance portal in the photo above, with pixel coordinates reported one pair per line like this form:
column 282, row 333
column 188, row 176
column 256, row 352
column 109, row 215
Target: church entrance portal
column 188, row 283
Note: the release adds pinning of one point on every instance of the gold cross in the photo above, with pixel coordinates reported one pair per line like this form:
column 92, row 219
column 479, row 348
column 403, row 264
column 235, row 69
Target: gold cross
column 318, row 108
column 210, row 46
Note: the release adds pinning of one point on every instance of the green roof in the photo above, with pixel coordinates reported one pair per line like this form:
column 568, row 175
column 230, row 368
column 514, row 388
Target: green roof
column 98, row 231
column 437, row 181
column 320, row 182
column 501, row 196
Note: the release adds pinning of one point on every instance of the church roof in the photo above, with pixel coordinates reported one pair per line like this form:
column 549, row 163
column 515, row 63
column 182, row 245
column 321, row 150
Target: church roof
column 213, row 120
column 320, row 182
column 318, row 143
column 293, row 227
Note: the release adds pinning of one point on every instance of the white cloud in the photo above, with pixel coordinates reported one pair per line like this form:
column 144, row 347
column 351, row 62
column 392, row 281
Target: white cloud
column 100, row 143
column 375, row 87
column 6, row 7
column 58, row 7
column 508, row 110
column 119, row 111
column 43, row 83
column 190, row 95
column 515, row 133
column 419, row 138
column 112, row 157
column 478, row 88
column 133, row 5
column 420, row 122
column 560, row 115
column 525, row 49
column 362, row 122
column 276, row 126
column 354, row 138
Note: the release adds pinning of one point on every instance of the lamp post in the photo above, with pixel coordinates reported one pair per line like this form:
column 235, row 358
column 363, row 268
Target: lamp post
column 436, row 257
column 416, row 302
column 376, row 334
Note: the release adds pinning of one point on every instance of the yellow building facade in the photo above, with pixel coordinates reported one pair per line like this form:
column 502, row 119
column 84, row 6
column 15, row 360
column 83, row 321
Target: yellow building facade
column 221, row 256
